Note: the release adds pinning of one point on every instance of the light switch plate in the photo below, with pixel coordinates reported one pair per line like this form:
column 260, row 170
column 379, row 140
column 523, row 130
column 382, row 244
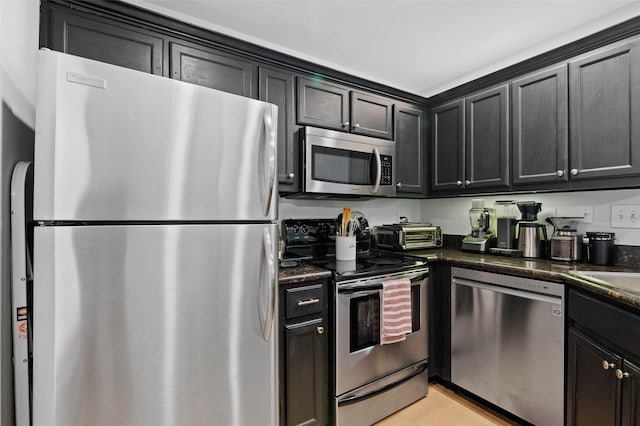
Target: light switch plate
column 625, row 216
column 586, row 212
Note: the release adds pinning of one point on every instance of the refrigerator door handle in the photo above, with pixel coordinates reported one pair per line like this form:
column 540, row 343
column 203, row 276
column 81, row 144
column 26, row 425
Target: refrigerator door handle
column 269, row 157
column 270, row 282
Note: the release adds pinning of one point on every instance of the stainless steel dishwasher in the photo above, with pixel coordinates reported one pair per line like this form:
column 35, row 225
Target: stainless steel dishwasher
column 507, row 342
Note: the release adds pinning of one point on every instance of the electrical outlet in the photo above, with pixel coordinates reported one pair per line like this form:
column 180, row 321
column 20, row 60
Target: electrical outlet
column 625, row 216
column 586, row 212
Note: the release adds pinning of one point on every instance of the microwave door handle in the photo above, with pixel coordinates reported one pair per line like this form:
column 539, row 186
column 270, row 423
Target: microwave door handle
column 376, row 186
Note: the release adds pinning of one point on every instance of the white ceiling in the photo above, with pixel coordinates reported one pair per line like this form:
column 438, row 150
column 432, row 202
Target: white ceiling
column 421, row 46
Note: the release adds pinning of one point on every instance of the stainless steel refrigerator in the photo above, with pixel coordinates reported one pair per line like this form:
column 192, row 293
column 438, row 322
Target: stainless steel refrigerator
column 155, row 258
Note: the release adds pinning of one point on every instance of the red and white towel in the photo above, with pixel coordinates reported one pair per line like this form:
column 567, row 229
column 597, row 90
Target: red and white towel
column 395, row 310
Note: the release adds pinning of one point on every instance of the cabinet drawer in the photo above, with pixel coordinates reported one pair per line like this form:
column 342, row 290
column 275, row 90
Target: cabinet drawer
column 612, row 323
column 304, row 300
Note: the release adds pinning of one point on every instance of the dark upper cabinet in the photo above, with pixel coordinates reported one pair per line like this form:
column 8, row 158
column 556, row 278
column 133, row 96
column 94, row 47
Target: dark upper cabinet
column 211, row 68
column 471, row 142
column 447, row 146
column 322, row 104
column 371, row 115
column 410, row 149
column 540, row 117
column 487, row 139
column 332, row 106
column 604, row 96
column 104, row 40
column 278, row 87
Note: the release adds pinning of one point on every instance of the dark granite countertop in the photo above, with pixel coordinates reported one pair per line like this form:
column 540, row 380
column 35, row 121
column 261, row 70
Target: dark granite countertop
column 542, row 269
column 301, row 273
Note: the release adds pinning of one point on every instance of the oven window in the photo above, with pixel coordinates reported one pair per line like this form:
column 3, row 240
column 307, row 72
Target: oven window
column 365, row 319
column 342, row 166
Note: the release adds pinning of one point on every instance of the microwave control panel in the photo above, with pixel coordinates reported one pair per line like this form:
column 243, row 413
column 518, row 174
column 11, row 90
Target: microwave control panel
column 387, row 175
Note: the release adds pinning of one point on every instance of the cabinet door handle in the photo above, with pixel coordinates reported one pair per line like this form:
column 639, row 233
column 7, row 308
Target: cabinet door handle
column 320, row 330
column 399, row 184
column 574, row 172
column 607, row 365
column 291, row 175
column 356, row 125
column 345, row 124
column 308, row 302
column 459, row 183
column 560, row 173
column 621, row 375
column 467, row 182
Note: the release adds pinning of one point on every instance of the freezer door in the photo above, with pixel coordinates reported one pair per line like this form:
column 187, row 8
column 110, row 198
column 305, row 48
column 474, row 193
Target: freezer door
column 118, row 144
column 155, row 325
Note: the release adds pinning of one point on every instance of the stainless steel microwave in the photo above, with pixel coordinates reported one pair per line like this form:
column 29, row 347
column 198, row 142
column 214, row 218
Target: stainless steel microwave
column 346, row 164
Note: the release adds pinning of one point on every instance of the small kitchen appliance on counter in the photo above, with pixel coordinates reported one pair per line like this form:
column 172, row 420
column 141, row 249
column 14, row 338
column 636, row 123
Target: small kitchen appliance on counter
column 507, row 218
column 565, row 243
column 482, row 236
column 408, row 236
column 599, row 247
column 531, row 234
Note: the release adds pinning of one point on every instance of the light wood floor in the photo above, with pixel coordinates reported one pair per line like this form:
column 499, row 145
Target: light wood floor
column 444, row 407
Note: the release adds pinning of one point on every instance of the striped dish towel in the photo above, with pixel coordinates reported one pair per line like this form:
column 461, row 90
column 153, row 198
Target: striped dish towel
column 395, row 310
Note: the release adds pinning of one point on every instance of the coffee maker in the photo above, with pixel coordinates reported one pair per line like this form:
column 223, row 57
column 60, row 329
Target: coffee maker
column 507, row 218
column 482, row 236
column 531, row 234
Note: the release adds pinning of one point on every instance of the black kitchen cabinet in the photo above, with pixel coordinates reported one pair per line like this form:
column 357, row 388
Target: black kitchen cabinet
column 487, row 139
column 103, row 40
column 277, row 86
column 603, row 376
column 604, row 99
column 540, row 137
column 323, row 104
column 211, row 68
column 371, row 115
column 332, row 106
column 410, row 149
column 304, row 356
column 471, row 142
column 448, row 140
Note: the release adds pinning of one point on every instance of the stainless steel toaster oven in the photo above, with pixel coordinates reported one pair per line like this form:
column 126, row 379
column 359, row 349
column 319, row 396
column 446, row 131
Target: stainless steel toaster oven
column 408, row 236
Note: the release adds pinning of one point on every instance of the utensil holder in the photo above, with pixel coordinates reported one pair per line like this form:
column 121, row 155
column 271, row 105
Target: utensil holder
column 346, row 248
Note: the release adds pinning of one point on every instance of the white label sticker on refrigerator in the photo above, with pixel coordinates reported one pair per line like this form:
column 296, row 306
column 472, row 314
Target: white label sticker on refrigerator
column 74, row 77
column 556, row 310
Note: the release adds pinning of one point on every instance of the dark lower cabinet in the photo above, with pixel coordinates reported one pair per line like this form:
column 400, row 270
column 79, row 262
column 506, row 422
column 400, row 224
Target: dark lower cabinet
column 211, row 68
column 102, row 39
column 603, row 377
column 304, row 356
column 278, row 87
column 410, row 149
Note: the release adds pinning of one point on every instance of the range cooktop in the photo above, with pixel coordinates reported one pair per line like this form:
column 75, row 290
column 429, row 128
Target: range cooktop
column 311, row 241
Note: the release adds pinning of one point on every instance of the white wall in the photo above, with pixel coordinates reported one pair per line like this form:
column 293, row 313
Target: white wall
column 18, row 46
column 377, row 211
column 452, row 213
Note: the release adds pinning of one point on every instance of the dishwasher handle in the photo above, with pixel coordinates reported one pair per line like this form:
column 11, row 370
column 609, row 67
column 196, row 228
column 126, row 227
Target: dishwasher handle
column 507, row 290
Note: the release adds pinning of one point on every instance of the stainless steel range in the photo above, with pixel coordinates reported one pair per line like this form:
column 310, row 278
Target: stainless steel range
column 370, row 380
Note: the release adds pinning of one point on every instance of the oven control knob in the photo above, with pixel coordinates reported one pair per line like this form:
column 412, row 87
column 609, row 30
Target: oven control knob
column 320, row 330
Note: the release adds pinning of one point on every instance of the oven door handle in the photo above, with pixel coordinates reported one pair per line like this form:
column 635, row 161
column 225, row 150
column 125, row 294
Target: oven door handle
column 355, row 396
column 362, row 288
